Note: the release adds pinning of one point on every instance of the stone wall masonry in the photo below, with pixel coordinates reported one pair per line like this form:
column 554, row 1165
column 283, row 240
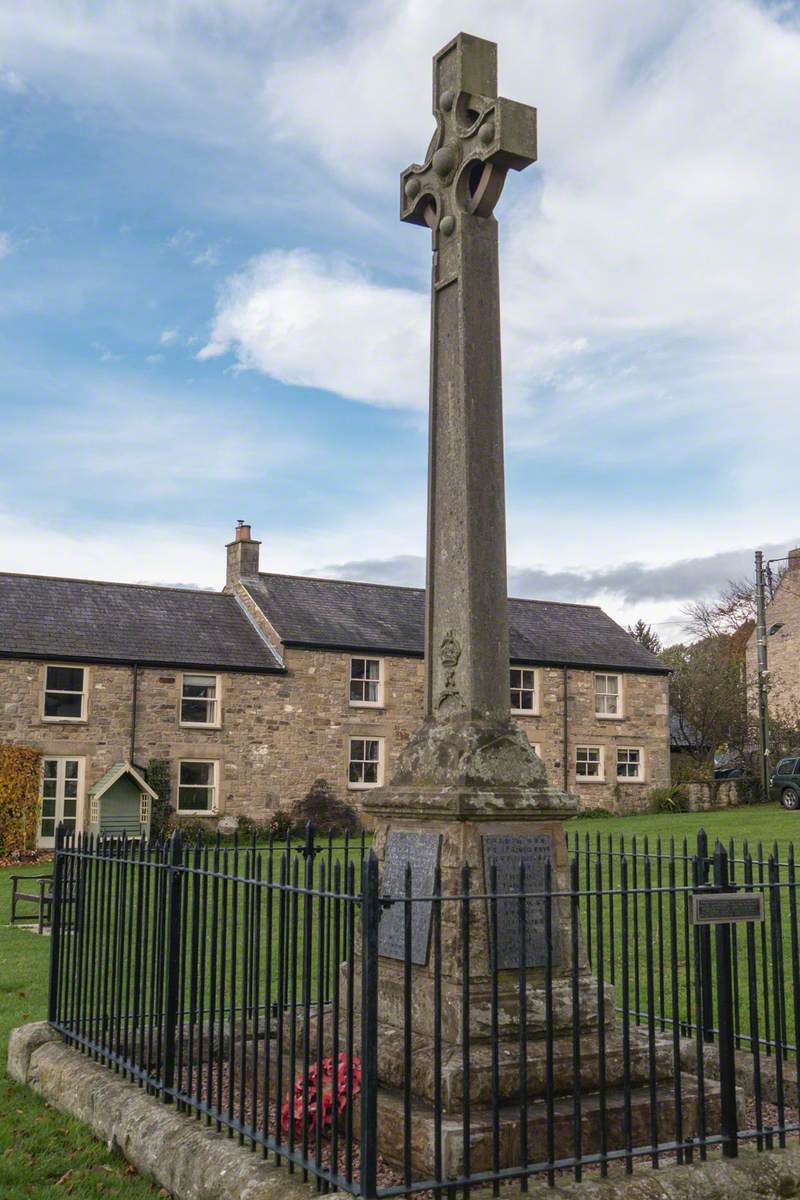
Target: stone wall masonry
column 280, row 732
column 189, row 1159
column 643, row 723
column 242, row 745
column 703, row 795
column 311, row 737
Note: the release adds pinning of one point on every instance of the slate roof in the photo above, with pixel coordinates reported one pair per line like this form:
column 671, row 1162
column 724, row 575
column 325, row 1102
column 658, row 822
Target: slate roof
column 88, row 621
column 683, row 735
column 339, row 614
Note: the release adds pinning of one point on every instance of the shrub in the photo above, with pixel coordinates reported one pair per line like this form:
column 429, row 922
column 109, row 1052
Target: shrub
column 19, row 799
column 748, row 790
column 590, row 814
column 324, row 810
column 249, row 826
column 668, row 799
column 281, row 823
column 687, row 770
column 193, row 829
column 157, row 775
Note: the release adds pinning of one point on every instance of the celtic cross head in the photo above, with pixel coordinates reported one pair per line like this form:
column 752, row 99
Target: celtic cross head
column 479, row 137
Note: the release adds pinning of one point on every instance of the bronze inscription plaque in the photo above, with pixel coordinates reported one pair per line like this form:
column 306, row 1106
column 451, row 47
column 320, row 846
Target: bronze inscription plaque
column 421, row 850
column 506, row 852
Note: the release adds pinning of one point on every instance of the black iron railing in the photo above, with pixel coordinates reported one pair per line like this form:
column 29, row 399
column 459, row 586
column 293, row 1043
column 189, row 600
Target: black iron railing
column 246, row 985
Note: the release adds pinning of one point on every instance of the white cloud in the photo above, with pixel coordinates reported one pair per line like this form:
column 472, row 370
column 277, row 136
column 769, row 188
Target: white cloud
column 129, row 554
column 181, row 239
column 192, row 552
column 168, row 336
column 192, row 69
column 10, row 81
column 206, row 258
column 110, row 434
column 321, row 323
column 6, row 244
column 649, row 262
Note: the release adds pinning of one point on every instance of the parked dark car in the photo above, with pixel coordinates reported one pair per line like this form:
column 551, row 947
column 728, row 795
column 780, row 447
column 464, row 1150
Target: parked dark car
column 729, row 773
column 785, row 783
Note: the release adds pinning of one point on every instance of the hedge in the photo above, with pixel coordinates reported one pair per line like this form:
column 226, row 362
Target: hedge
column 19, row 799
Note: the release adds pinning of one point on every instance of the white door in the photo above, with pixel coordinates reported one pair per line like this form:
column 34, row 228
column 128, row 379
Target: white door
column 62, row 780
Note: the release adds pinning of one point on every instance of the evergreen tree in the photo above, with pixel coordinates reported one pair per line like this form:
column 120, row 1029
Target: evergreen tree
column 646, row 636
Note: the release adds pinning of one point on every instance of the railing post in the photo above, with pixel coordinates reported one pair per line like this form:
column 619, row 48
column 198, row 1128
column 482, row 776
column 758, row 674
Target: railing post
column 706, row 990
column 55, row 927
column 172, row 949
column 727, row 1059
column 370, row 918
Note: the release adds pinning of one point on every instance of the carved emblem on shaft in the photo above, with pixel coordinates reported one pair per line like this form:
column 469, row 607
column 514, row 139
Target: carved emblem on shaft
column 450, row 653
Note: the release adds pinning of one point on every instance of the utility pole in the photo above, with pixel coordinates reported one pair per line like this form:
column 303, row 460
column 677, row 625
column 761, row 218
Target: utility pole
column 761, row 650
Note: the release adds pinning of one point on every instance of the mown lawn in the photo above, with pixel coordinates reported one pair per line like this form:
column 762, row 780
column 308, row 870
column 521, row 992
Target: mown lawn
column 44, row 1154
column 765, row 823
column 760, row 831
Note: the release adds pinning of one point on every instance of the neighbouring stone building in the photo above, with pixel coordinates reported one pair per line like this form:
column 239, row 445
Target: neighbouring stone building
column 253, row 693
column 783, row 646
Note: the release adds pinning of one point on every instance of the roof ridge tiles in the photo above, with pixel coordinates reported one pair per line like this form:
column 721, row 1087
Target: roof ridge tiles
column 400, row 587
column 153, row 587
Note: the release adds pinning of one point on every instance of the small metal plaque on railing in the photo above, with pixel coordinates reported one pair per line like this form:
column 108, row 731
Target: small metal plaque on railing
column 421, row 851
column 726, row 908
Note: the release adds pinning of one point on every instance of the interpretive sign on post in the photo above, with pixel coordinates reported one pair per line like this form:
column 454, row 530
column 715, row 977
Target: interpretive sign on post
column 509, row 853
column 421, row 852
column 726, row 908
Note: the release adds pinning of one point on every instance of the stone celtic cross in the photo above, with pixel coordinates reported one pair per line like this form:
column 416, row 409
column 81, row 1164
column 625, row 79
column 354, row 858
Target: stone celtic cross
column 479, row 137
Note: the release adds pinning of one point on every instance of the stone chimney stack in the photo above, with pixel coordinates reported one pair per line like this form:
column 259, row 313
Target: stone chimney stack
column 242, row 556
column 794, row 559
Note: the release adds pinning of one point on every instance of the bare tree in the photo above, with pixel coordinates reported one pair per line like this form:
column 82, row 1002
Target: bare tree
column 732, row 610
column 734, row 607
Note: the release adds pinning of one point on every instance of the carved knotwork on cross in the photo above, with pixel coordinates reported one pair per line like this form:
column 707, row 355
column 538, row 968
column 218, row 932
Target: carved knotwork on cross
column 479, row 137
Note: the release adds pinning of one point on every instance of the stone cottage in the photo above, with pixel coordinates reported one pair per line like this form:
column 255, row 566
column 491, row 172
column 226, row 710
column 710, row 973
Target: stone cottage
column 253, row 693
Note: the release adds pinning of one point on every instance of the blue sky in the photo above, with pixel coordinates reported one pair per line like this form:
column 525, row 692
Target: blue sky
column 209, row 309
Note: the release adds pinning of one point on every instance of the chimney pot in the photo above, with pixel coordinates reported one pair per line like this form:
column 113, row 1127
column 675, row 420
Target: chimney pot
column 243, row 532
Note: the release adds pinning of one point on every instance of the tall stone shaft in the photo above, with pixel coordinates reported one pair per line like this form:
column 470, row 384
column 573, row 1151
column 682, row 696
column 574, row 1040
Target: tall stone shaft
column 466, row 625
column 479, row 136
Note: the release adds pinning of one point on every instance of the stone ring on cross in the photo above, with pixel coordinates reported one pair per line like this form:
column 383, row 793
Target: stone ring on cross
column 479, row 137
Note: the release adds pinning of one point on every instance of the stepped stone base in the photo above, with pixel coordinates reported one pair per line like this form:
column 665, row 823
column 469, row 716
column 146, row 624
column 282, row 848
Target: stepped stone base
column 465, row 782
column 391, row 1110
column 423, row 1128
